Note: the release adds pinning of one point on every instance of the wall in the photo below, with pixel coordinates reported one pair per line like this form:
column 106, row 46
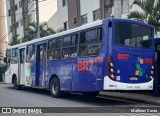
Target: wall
column 87, row 7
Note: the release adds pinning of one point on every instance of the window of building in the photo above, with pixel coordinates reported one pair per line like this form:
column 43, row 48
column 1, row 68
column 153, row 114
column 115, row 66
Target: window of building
column 96, row 15
column 17, row 24
column 84, row 19
column 10, row 28
column 64, row 2
column 30, row 18
column 15, row 56
column 125, row 6
column 16, row 7
column 65, row 25
column 30, row 53
column 21, row 22
column 9, row 12
column 13, row 8
column 90, row 42
column 20, row 4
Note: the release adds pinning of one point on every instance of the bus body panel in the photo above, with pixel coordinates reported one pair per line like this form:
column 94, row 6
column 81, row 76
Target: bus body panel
column 63, row 70
column 132, row 66
column 90, row 73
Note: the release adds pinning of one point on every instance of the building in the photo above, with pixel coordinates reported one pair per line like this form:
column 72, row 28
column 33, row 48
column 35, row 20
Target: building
column 22, row 12
column 3, row 42
column 74, row 13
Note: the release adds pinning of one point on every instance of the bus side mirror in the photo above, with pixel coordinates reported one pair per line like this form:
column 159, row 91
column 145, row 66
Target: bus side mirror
column 5, row 60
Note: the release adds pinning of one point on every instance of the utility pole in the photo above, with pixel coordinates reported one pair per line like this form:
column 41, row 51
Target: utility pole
column 37, row 19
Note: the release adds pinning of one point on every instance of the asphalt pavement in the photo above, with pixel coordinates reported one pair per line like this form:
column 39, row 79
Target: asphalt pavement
column 31, row 97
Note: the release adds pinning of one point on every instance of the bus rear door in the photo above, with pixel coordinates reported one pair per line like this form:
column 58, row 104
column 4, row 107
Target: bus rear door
column 21, row 65
column 41, row 64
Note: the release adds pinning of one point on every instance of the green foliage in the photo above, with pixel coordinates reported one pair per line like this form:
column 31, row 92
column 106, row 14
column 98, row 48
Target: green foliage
column 150, row 14
column 2, row 68
column 14, row 40
column 31, row 31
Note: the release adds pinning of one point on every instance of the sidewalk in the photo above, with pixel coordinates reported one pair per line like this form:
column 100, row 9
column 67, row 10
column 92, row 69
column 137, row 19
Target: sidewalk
column 141, row 97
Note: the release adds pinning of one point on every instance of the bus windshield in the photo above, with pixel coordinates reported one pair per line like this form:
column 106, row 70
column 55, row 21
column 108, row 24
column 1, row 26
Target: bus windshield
column 133, row 35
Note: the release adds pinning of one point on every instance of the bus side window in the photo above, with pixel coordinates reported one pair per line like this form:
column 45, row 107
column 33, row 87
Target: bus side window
column 8, row 54
column 73, row 46
column 15, row 56
column 90, row 42
column 54, row 49
column 30, row 53
column 66, row 44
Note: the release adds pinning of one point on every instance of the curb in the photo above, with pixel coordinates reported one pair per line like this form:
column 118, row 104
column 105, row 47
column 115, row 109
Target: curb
column 131, row 99
column 2, row 83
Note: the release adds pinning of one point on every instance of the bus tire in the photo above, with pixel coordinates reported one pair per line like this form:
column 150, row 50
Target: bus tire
column 90, row 94
column 55, row 88
column 16, row 86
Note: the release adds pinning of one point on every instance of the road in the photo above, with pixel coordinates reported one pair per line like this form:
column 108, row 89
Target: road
column 28, row 97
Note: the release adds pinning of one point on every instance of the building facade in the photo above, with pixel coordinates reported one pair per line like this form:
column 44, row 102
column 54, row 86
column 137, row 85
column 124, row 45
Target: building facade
column 74, row 13
column 22, row 12
column 3, row 42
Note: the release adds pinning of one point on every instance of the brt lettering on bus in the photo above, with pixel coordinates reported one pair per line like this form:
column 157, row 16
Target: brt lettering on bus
column 86, row 65
column 123, row 56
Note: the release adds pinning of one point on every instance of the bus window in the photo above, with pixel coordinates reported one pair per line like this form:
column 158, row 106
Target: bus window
column 8, row 55
column 90, row 42
column 65, row 53
column 42, row 53
column 66, row 41
column 54, row 52
column 126, row 34
column 15, row 56
column 59, row 43
column 70, row 46
column 74, row 40
column 30, row 53
column 52, row 44
column 73, row 52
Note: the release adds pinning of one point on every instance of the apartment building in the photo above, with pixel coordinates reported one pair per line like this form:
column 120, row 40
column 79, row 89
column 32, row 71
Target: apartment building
column 22, row 12
column 74, row 13
column 3, row 43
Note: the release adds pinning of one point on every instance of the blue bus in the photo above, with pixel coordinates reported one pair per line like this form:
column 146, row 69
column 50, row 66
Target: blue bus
column 109, row 54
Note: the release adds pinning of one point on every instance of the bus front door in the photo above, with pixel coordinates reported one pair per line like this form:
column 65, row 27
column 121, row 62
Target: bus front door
column 22, row 65
column 41, row 65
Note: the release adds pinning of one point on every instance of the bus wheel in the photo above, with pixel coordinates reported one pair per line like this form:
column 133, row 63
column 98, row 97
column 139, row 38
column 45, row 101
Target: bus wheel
column 55, row 88
column 16, row 86
column 90, row 94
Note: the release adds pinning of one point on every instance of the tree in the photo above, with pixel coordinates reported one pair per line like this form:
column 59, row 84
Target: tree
column 31, row 31
column 14, row 40
column 150, row 14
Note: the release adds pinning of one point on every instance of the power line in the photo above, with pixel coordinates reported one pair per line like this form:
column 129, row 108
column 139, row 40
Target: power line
column 16, row 25
column 16, row 14
column 19, row 20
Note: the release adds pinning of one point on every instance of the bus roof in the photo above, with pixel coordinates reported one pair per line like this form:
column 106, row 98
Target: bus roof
column 96, row 23
column 90, row 25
